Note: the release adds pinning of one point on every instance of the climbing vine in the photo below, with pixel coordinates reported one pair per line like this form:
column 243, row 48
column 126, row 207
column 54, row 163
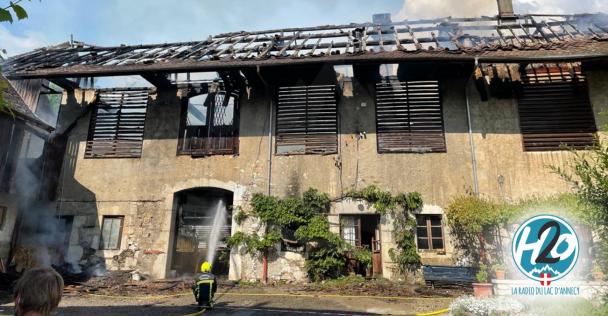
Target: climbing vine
column 405, row 255
column 305, row 220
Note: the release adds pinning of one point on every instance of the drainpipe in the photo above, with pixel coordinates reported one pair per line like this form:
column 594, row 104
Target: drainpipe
column 471, row 141
column 265, row 253
column 270, row 108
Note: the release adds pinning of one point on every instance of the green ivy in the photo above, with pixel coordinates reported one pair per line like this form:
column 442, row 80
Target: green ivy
column 240, row 216
column 253, row 243
column 405, row 255
column 307, row 217
column 363, row 256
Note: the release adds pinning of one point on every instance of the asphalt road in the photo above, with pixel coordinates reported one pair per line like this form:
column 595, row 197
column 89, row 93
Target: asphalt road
column 245, row 304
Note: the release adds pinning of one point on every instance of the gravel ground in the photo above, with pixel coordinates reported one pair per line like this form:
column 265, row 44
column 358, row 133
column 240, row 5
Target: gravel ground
column 259, row 301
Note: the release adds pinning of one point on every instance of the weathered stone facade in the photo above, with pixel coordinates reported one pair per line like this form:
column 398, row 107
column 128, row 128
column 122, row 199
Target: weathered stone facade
column 142, row 190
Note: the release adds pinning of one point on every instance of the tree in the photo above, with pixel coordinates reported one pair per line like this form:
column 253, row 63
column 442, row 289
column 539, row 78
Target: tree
column 588, row 174
column 8, row 13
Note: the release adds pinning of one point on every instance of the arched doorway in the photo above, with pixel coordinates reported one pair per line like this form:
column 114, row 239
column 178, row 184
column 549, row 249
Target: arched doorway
column 203, row 222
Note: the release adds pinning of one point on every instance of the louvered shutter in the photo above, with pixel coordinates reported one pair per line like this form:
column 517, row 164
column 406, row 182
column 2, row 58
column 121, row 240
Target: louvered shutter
column 307, row 120
column 409, row 117
column 117, row 124
column 554, row 109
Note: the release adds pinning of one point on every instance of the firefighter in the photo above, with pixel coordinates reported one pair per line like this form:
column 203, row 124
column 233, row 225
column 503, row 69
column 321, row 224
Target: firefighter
column 205, row 287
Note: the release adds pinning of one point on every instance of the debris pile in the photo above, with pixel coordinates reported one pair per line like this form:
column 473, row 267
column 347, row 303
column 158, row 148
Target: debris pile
column 121, row 283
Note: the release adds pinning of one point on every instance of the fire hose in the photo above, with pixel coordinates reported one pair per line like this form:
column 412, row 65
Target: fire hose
column 433, row 313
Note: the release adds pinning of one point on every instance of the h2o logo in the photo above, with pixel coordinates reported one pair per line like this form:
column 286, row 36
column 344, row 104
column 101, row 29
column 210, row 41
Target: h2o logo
column 545, row 248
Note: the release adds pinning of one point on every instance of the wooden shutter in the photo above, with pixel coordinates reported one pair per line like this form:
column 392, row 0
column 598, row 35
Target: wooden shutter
column 554, row 109
column 307, row 120
column 117, row 124
column 409, row 117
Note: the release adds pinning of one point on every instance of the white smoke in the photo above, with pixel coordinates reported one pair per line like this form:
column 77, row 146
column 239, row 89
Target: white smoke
column 219, row 221
column 422, row 9
column 41, row 233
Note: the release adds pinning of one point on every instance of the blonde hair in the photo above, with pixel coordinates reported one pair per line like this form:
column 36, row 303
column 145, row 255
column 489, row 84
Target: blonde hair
column 39, row 290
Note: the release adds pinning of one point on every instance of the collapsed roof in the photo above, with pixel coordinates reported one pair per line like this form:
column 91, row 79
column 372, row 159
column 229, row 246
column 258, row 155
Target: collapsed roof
column 491, row 39
column 18, row 108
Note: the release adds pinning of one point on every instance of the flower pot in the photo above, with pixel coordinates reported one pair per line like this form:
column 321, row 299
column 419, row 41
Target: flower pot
column 598, row 276
column 500, row 274
column 482, row 289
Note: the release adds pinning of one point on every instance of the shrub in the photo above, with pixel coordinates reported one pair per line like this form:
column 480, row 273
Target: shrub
column 588, row 175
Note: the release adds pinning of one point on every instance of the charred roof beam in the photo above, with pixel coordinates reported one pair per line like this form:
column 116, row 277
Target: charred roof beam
column 159, row 80
column 65, row 84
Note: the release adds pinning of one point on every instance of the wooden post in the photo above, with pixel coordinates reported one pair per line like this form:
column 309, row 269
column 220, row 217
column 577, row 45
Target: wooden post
column 265, row 267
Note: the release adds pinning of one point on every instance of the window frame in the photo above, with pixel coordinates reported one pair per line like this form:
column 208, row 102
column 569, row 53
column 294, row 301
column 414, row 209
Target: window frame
column 356, row 226
column 121, row 146
column 429, row 237
column 282, row 135
column 183, row 125
column 569, row 80
column 414, row 146
column 120, row 229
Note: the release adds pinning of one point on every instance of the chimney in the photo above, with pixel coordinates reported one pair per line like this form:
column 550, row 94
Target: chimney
column 505, row 10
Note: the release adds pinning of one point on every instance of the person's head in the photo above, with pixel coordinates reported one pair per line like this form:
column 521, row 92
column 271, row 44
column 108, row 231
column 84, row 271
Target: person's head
column 205, row 267
column 38, row 292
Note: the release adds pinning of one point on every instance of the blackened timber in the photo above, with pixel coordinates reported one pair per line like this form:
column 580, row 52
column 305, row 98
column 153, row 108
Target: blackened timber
column 65, row 83
column 159, row 80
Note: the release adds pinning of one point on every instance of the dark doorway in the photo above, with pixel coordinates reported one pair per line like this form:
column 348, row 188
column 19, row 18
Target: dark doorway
column 198, row 212
column 363, row 231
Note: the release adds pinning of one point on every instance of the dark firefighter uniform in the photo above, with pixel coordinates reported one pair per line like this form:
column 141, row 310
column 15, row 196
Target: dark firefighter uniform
column 205, row 286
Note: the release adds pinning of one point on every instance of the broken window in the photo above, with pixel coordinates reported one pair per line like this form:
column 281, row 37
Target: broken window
column 554, row 108
column 210, row 125
column 49, row 101
column 117, row 124
column 307, row 120
column 429, row 232
column 111, row 232
column 2, row 216
column 409, row 117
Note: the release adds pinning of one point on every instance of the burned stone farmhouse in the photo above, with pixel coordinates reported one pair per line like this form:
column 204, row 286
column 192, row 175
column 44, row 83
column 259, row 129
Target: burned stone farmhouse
column 133, row 175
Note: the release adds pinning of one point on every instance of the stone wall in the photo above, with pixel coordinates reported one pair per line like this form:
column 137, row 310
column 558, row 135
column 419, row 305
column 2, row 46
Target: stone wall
column 142, row 189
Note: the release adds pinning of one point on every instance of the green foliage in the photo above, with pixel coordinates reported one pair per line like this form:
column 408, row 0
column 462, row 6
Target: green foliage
column 326, row 251
column 305, row 216
column 6, row 13
column 405, row 255
column 3, row 106
column 498, row 266
column 240, row 216
column 399, row 207
column 253, row 243
column 363, row 255
column 473, row 215
column 323, row 263
column 482, row 275
column 384, row 202
column 588, row 174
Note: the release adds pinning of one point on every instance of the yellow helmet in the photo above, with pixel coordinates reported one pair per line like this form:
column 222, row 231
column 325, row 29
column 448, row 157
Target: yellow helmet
column 205, row 267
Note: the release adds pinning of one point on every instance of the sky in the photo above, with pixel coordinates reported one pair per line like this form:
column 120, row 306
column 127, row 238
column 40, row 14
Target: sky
column 114, row 22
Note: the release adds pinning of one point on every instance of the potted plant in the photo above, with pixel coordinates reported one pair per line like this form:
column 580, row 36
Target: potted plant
column 364, row 257
column 482, row 288
column 499, row 271
column 598, row 274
